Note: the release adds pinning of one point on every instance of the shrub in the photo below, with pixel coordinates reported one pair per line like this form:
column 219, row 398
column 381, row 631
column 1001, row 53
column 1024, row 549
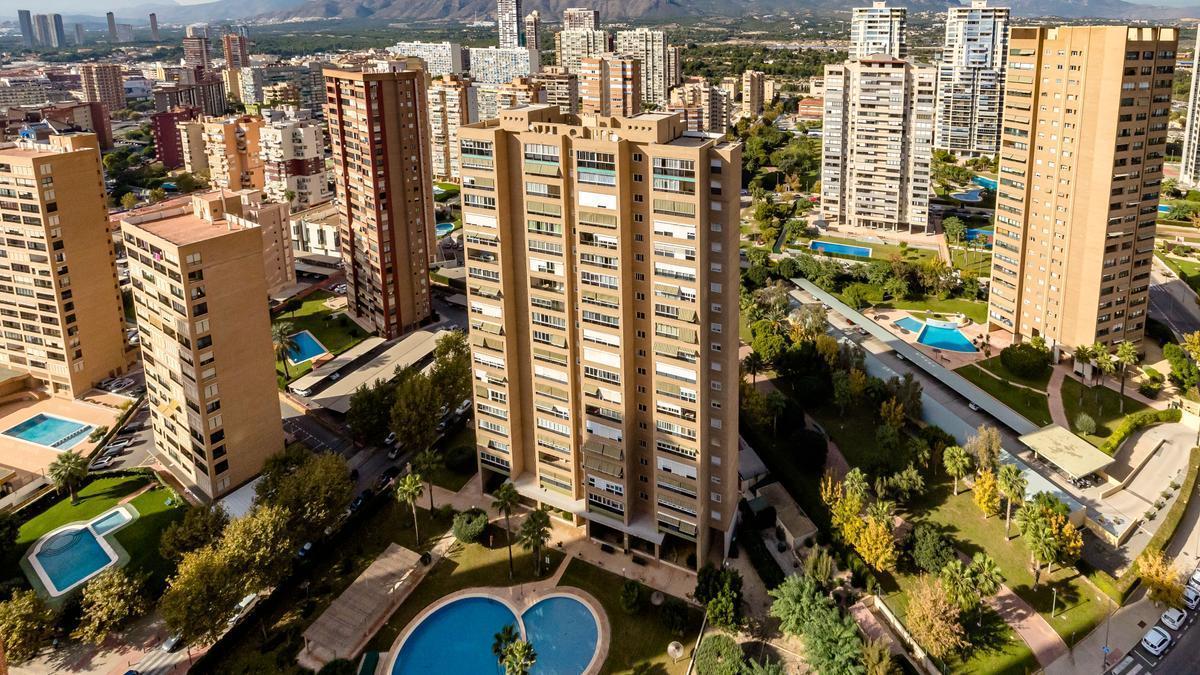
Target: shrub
column 632, row 597
column 469, row 525
column 719, row 655
column 1152, row 374
column 1150, row 389
column 1025, row 360
column 97, row 434
column 674, row 615
column 1084, row 424
column 1136, row 421
column 931, row 549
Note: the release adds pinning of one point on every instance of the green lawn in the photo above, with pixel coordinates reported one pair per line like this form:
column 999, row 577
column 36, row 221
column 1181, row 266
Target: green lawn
column 1080, row 606
column 979, row 262
column 1186, row 270
column 1102, row 403
column 638, row 643
column 882, row 251
column 139, row 538
column 1040, row 382
column 466, row 566
column 314, row 316
column 1033, row 406
column 451, row 189
column 975, row 310
column 853, row 431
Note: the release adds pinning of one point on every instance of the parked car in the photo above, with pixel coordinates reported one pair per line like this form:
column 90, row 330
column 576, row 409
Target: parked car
column 118, row 445
column 391, row 438
column 305, row 550
column 972, row 406
column 171, row 644
column 1156, row 641
column 1191, row 597
column 104, row 462
column 361, row 500
column 1174, row 618
column 1194, row 581
column 463, row 407
column 386, row 478
column 394, row 452
column 243, row 608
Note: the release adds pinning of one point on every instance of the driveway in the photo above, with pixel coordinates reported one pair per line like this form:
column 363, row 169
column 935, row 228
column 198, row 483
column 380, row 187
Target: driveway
column 1172, row 301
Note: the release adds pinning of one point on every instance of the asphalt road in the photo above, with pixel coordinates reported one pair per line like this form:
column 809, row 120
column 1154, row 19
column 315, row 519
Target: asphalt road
column 1180, row 656
column 1172, row 301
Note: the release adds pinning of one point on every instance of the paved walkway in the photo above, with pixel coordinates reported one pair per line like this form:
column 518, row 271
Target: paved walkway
column 1058, row 412
column 1045, row 643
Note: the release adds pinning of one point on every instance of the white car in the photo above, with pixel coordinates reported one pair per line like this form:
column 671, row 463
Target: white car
column 118, row 446
column 391, row 438
column 104, row 463
column 1191, row 597
column 1194, row 581
column 1174, row 618
column 1156, row 641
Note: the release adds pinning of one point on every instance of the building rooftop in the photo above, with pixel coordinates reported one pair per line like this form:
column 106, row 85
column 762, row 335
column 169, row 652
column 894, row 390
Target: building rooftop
column 199, row 218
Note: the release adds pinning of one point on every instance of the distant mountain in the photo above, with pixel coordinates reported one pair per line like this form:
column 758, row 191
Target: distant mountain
column 169, row 12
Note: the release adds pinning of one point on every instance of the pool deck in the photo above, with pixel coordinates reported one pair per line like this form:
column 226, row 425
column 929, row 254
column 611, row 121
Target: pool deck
column 117, row 555
column 950, row 359
column 34, row 458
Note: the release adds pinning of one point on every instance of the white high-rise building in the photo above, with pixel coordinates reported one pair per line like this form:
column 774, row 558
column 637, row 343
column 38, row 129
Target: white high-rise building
column 533, row 30
column 441, row 58
column 497, row 66
column 573, row 46
column 292, row 148
column 509, row 25
column 971, row 79
column 660, row 62
column 1189, row 171
column 878, row 144
column 453, row 103
column 878, row 29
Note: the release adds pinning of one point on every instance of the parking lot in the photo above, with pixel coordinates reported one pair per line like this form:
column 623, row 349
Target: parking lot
column 1179, row 656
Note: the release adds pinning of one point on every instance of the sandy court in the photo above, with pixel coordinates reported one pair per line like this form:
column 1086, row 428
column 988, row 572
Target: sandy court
column 32, row 457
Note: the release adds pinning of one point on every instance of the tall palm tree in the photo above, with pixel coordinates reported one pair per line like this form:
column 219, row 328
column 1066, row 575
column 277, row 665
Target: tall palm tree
column 956, row 579
column 519, row 658
column 985, row 575
column 1012, row 484
column 426, row 463
column 1127, row 357
column 68, row 470
column 754, row 364
column 409, row 491
column 502, row 640
column 957, row 462
column 534, row 534
column 1042, row 546
column 283, row 338
column 1082, row 356
column 1107, row 366
column 506, row 500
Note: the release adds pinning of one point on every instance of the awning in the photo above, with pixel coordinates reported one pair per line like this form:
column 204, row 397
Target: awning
column 610, row 450
column 600, row 465
column 1067, row 451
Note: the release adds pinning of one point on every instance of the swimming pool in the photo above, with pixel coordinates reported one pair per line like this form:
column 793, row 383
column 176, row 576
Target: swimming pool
column 443, row 229
column 69, row 556
column 909, row 323
column 1163, row 208
column 307, row 348
column 564, row 633
column 50, row 431
column 972, row 195
column 844, row 249
column 983, row 181
column 937, row 334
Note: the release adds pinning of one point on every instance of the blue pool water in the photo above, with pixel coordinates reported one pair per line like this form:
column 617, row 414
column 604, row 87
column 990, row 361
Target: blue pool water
column 564, row 634
column 71, row 556
column 50, row 431
column 111, row 521
column 456, row 638
column 982, row 181
column 443, row 229
column 909, row 323
column 949, row 339
column 844, row 249
column 1163, row 208
column 973, row 195
column 307, row 348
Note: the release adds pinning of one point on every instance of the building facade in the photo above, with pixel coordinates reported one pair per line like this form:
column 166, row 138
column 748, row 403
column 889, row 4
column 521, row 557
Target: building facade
column 200, row 294
column 878, row 29
column 378, row 128
column 573, row 46
column 237, row 50
column 233, row 148
column 196, row 54
column 753, row 92
column 533, row 31
column 168, row 141
column 1079, row 182
column 581, row 18
column 1189, row 170
column 453, row 103
column 971, row 79
column 561, row 87
column 660, row 62
column 610, row 86
column 315, row 232
column 103, row 83
column 878, row 144
column 292, row 147
column 603, row 314
column 510, row 29
column 441, row 58
column 496, row 66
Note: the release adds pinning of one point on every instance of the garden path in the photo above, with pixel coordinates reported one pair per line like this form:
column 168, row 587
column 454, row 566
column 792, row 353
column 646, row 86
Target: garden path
column 1058, row 412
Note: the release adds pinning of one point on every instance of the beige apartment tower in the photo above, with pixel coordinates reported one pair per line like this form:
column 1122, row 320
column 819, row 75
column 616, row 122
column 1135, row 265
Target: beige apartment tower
column 753, row 96
column 602, row 270
column 378, row 130
column 610, row 85
column 1082, row 148
column 200, row 296
column 453, row 103
column 233, row 152
column 103, row 83
column 60, row 303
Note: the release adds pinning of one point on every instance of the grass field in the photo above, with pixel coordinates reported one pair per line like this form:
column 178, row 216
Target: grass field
column 979, row 262
column 973, row 309
column 1186, row 270
column 1102, row 403
column 882, row 251
column 994, row 365
column 1033, row 406
column 312, row 315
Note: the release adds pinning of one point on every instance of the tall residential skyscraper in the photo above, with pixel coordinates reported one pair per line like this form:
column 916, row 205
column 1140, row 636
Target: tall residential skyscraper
column 237, row 50
column 660, row 62
column 533, row 30
column 292, row 147
column 71, row 332
column 57, row 31
column 581, row 18
column 1081, row 163
column 453, row 104
column 705, row 107
column 878, row 144
column 196, row 54
column 498, row 66
column 233, row 150
column 103, row 83
column 78, row 35
column 610, row 86
column 561, row 87
column 879, row 29
column 753, row 96
column 112, row 26
column 572, row 46
column 206, row 344
column 1189, row 172
column 509, row 25
column 25, row 19
column 441, row 58
column 603, row 322
column 154, row 27
column 41, row 30
column 971, row 79
column 378, row 126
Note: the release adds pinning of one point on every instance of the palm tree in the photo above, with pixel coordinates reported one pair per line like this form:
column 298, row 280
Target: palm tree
column 1107, row 366
column 68, row 470
column 1082, row 356
column 1012, row 485
column 956, row 579
column 985, row 575
column 1042, row 546
column 519, row 658
column 1127, row 357
column 534, row 534
column 283, row 337
column 506, row 502
column 957, row 462
column 754, row 364
column 776, row 404
column 409, row 491
column 426, row 463
column 501, row 641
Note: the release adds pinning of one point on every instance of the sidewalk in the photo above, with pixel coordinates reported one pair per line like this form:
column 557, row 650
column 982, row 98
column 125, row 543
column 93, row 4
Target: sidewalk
column 1045, row 643
column 1124, row 631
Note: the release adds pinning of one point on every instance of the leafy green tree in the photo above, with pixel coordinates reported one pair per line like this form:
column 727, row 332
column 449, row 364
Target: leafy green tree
column 157, row 195
column 428, row 462
column 284, row 342
column 519, row 658
column 200, row 597
column 111, row 600
column 957, row 462
column 468, row 526
column 1012, row 483
column 764, row 667
column 259, row 546
column 68, row 471
column 315, row 494
column 10, row 527
column 25, row 625
column 954, row 229
column 129, row 200
column 276, row 469
column 416, row 410
column 370, row 412
column 831, row 639
column 452, row 368
column 502, row 639
column 632, row 596
column 985, row 575
column 984, row 448
column 534, row 534
column 718, row 654
column 754, row 364
column 408, row 490
column 201, row 526
column 1085, row 424
column 505, row 501
column 877, row 659
column 958, row 584
column 931, row 549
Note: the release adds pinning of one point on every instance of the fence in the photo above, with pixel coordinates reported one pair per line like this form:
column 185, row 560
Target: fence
column 922, row 659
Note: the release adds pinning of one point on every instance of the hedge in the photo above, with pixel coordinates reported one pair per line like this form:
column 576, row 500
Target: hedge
column 1134, row 422
column 1119, row 589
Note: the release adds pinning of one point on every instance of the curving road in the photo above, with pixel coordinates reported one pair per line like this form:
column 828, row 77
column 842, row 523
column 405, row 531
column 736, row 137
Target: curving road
column 1172, row 301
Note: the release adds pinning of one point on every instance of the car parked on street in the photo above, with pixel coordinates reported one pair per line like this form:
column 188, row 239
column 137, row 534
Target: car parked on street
column 1174, row 618
column 1191, row 597
column 1156, row 641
